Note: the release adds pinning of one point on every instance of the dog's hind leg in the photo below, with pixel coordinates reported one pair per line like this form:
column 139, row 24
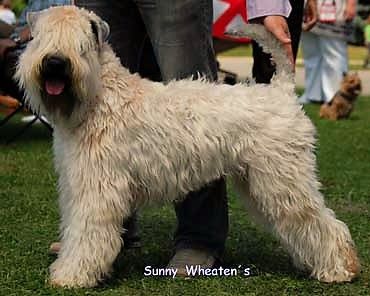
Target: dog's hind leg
column 327, row 111
column 92, row 211
column 284, row 195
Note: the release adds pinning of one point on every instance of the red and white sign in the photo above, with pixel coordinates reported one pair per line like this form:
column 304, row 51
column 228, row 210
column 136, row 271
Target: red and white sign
column 327, row 11
column 228, row 15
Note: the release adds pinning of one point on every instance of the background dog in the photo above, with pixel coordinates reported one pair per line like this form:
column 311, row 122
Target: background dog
column 121, row 141
column 342, row 104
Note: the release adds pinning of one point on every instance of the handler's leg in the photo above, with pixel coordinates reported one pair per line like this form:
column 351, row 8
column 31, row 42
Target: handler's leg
column 180, row 32
column 335, row 64
column 313, row 63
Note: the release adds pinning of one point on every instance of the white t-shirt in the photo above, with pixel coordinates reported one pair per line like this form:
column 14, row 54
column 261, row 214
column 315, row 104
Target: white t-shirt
column 7, row 16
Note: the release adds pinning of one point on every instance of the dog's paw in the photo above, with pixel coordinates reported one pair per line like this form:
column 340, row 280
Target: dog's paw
column 67, row 275
column 339, row 276
column 345, row 269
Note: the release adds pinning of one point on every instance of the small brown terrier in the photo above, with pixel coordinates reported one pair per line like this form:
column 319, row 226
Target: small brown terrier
column 343, row 101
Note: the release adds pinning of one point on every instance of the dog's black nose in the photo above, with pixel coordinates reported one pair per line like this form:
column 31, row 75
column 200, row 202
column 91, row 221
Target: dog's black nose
column 55, row 65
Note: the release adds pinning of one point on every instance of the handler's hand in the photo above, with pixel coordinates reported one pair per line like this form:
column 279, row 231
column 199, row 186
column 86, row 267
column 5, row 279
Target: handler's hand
column 25, row 34
column 311, row 15
column 278, row 26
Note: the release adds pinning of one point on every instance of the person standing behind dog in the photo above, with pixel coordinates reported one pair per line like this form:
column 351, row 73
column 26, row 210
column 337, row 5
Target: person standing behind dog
column 325, row 49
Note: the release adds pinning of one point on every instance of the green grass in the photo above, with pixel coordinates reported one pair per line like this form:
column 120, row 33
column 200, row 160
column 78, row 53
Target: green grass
column 29, row 219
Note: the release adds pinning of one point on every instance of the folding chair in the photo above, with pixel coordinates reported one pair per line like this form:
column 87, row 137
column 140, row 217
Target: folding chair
column 26, row 126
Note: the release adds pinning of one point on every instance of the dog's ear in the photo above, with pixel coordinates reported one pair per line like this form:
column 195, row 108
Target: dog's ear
column 100, row 30
column 344, row 74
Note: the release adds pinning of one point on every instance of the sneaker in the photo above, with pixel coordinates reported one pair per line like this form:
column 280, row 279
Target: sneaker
column 190, row 257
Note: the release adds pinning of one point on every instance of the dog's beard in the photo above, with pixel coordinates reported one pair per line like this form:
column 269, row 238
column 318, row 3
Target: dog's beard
column 352, row 92
column 356, row 90
column 62, row 104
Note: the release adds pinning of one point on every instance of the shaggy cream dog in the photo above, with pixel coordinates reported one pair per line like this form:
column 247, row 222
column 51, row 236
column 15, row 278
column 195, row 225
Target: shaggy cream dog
column 121, row 141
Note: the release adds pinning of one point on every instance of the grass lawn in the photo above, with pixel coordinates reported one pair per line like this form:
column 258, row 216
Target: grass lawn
column 29, row 222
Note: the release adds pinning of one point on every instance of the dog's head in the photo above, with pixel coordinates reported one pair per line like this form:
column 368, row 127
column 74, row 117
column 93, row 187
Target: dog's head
column 60, row 67
column 351, row 85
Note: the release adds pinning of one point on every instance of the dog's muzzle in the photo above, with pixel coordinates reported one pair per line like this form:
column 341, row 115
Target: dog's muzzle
column 357, row 89
column 55, row 74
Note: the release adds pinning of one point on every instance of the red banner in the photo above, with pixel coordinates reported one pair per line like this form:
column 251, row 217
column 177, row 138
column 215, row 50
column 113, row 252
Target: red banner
column 228, row 15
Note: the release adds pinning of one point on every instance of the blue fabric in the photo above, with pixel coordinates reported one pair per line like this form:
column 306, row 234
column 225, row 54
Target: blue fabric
column 37, row 5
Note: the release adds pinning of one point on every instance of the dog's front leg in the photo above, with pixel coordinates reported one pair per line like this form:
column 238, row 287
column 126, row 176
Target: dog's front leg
column 92, row 210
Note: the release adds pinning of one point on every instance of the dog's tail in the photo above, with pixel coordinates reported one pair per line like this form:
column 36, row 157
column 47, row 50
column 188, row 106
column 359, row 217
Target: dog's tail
column 271, row 45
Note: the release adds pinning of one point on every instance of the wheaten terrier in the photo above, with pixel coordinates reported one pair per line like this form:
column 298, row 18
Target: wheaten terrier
column 121, row 141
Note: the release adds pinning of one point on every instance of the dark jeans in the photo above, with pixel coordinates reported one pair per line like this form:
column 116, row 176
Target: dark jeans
column 164, row 40
column 263, row 69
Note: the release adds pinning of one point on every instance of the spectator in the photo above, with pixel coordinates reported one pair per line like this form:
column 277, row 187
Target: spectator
column 325, row 49
column 6, row 14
